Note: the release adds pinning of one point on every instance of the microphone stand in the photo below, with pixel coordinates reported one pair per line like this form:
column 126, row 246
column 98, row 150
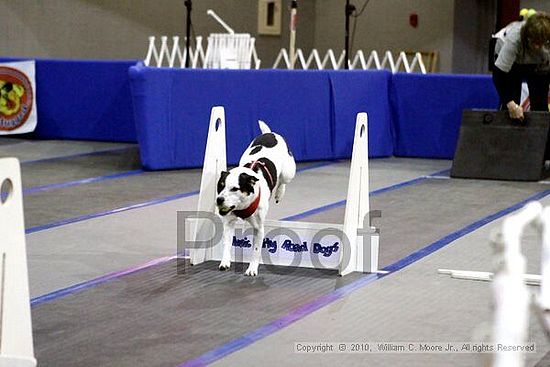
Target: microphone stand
column 349, row 11
column 293, row 21
column 188, row 5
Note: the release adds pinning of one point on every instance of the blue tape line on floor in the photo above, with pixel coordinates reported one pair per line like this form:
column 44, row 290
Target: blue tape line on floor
column 337, row 204
column 140, row 205
column 461, row 233
column 91, row 283
column 32, row 190
column 75, row 288
column 64, row 157
column 109, row 212
column 316, row 165
column 85, row 285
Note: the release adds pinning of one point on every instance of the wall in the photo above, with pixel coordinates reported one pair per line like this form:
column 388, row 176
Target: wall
column 85, row 29
column 475, row 21
column 107, row 29
column 473, row 26
column 241, row 15
column 385, row 26
column 543, row 5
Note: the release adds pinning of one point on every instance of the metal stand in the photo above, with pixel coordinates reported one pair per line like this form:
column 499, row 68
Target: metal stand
column 349, row 10
column 188, row 5
column 293, row 20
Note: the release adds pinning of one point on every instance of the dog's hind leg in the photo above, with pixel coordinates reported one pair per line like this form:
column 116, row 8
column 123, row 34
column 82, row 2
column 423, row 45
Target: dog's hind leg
column 288, row 171
column 228, row 233
column 252, row 270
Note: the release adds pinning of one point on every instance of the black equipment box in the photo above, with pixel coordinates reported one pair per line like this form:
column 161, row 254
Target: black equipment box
column 493, row 146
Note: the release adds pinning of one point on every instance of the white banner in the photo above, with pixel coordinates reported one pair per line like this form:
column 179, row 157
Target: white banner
column 17, row 98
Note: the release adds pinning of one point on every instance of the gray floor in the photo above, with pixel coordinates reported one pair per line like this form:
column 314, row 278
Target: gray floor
column 31, row 150
column 415, row 216
column 157, row 317
column 88, row 249
column 72, row 168
column 414, row 304
column 183, row 314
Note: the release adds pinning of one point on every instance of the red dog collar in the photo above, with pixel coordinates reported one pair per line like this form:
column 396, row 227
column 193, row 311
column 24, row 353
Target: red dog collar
column 245, row 213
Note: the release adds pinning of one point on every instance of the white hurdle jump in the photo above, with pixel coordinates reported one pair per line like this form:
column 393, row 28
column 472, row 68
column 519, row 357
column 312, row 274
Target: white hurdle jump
column 351, row 247
column 510, row 293
column 16, row 347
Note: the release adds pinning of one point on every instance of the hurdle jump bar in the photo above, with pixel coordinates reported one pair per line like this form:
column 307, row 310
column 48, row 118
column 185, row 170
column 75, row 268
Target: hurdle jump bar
column 354, row 248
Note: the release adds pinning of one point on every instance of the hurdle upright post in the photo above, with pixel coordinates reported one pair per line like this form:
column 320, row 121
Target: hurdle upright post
column 544, row 296
column 363, row 249
column 16, row 346
column 511, row 296
column 214, row 163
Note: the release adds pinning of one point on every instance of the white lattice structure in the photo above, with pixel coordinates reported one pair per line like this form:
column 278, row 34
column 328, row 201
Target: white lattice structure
column 173, row 55
column 239, row 48
column 329, row 61
column 224, row 51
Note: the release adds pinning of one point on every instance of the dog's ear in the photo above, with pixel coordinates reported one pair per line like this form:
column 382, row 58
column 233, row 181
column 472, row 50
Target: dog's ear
column 221, row 181
column 247, row 182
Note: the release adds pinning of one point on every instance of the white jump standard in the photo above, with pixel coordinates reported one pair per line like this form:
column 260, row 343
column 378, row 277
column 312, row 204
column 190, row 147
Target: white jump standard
column 351, row 247
column 16, row 347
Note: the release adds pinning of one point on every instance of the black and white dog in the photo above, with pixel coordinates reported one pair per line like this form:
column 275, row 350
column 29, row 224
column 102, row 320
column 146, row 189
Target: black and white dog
column 265, row 168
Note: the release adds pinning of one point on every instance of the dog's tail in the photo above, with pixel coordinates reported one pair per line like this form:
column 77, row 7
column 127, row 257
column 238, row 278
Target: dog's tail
column 263, row 127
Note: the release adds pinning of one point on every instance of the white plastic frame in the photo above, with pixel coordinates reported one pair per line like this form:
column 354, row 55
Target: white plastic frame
column 16, row 346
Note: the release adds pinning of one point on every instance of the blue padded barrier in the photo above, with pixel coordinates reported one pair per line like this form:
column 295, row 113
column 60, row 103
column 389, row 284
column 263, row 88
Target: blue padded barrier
column 88, row 100
column 410, row 115
column 427, row 109
column 361, row 91
column 172, row 110
column 85, row 100
column 314, row 111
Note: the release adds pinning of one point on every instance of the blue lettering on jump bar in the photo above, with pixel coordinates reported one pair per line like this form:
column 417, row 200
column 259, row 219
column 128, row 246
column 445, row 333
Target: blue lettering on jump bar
column 325, row 250
column 245, row 242
column 294, row 247
column 271, row 246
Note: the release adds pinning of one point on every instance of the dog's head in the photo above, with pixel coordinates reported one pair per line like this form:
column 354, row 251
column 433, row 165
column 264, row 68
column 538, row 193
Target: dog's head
column 236, row 190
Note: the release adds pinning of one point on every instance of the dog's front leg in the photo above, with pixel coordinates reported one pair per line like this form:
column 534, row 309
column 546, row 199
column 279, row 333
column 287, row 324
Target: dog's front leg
column 228, row 233
column 258, row 241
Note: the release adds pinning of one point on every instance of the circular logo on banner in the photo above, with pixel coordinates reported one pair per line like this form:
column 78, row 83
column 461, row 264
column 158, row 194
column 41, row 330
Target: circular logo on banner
column 16, row 97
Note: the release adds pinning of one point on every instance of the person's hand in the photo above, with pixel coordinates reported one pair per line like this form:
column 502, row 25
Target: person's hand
column 515, row 110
